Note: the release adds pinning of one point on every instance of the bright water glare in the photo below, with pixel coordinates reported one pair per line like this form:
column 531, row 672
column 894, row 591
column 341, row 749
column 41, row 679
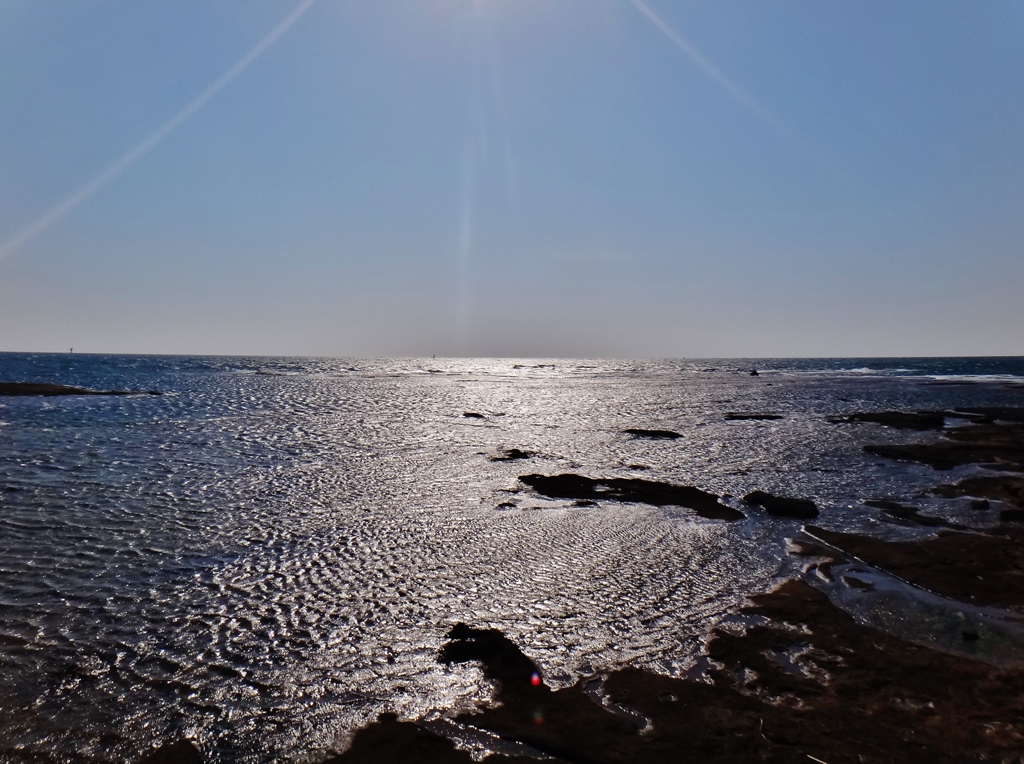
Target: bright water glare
column 269, row 554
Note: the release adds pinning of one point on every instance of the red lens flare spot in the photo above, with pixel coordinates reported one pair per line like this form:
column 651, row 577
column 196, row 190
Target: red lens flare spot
column 535, row 679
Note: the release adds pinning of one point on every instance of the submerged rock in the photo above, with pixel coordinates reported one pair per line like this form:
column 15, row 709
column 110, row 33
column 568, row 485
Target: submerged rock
column 569, row 486
column 782, row 506
column 734, row 417
column 903, row 420
column 473, row 415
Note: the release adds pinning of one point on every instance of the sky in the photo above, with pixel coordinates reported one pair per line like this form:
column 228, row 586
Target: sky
column 512, row 178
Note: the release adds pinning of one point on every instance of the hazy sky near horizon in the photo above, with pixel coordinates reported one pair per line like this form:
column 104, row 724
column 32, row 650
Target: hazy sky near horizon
column 631, row 178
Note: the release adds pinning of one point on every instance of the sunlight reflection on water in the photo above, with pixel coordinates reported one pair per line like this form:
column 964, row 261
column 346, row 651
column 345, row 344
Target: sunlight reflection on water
column 270, row 554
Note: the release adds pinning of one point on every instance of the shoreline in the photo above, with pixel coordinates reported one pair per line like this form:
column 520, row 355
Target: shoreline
column 806, row 681
column 969, row 556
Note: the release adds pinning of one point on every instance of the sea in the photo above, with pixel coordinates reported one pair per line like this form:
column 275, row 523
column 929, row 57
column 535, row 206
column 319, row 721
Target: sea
column 269, row 554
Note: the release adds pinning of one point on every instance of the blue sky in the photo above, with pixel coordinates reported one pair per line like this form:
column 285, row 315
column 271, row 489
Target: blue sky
column 668, row 178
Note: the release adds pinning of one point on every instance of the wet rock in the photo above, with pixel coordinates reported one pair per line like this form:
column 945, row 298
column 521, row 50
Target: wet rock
column 1005, row 488
column 653, row 434
column 569, row 486
column 807, row 682
column 910, row 514
column 781, row 506
column 753, row 373
column 858, row 583
column 389, row 741
column 979, row 504
column 48, row 390
column 734, row 417
column 982, row 569
column 993, row 414
column 181, row 752
column 473, row 415
column 512, row 455
column 995, row 440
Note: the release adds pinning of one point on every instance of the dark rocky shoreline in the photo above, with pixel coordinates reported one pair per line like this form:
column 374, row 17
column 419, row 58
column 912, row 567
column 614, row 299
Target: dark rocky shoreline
column 804, row 681
column 807, row 684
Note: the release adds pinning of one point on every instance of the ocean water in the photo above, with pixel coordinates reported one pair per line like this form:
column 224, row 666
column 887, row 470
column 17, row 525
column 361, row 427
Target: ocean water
column 269, row 554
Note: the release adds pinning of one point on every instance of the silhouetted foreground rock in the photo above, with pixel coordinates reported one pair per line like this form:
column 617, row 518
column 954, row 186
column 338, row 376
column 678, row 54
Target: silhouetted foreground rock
column 564, row 724
column 569, row 486
column 808, row 684
column 654, row 434
column 781, row 506
column 983, row 569
column 39, row 388
column 502, row 660
column 734, row 417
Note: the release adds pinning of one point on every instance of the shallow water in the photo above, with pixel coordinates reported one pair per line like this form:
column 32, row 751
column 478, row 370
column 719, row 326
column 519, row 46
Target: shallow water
column 270, row 554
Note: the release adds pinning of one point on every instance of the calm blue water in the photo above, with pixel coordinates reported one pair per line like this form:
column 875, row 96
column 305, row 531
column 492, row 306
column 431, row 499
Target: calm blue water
column 269, row 554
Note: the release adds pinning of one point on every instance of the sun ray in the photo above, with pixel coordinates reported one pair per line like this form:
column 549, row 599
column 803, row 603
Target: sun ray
column 90, row 189
column 704, row 63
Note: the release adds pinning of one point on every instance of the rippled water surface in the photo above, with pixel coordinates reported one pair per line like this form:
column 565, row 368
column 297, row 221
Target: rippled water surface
column 269, row 554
